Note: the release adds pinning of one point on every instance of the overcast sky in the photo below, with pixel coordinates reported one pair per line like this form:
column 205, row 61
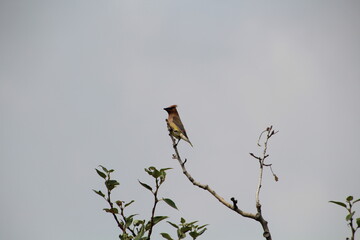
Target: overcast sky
column 84, row 83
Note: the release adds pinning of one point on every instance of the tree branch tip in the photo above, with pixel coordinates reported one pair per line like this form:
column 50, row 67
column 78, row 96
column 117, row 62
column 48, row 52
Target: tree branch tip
column 272, row 133
column 258, row 142
column 256, row 157
column 276, row 178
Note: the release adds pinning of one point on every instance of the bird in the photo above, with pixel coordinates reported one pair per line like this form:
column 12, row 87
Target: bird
column 176, row 127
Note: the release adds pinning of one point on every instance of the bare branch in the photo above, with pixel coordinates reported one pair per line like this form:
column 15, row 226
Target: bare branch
column 258, row 216
column 206, row 187
column 269, row 133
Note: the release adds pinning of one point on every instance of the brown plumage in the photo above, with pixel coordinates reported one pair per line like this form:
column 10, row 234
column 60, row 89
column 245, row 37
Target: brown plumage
column 176, row 126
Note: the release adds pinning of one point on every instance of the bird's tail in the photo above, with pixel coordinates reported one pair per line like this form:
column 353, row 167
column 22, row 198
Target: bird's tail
column 186, row 139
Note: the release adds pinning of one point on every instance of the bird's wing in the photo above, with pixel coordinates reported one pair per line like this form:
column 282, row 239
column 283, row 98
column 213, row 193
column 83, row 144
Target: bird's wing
column 179, row 124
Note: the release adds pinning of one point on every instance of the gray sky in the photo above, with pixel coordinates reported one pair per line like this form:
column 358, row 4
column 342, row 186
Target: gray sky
column 83, row 83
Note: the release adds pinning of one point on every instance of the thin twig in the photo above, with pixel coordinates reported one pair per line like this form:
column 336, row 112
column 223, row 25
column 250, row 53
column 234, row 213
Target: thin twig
column 156, row 200
column 269, row 133
column 351, row 223
column 108, row 199
column 124, row 218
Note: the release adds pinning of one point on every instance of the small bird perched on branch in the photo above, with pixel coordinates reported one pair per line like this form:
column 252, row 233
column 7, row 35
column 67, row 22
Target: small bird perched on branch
column 176, row 127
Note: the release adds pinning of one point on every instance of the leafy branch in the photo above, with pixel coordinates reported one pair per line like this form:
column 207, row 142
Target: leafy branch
column 255, row 216
column 110, row 185
column 348, row 205
column 181, row 229
column 159, row 177
column 132, row 229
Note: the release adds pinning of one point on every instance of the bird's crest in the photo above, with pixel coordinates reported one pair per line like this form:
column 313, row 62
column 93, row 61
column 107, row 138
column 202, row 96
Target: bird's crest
column 172, row 106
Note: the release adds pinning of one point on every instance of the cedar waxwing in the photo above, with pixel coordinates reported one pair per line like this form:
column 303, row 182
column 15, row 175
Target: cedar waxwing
column 174, row 121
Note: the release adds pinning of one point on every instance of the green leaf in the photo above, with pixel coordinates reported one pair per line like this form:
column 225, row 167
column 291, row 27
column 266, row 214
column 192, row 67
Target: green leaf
column 186, row 229
column 357, row 200
column 180, row 234
column 182, row 220
column 99, row 193
column 124, row 236
column 145, row 185
column 202, row 226
column 128, row 221
column 158, row 219
column 156, row 174
column 173, row 224
column 166, row 236
column 163, row 173
column 202, row 231
column 129, row 203
column 112, row 210
column 138, row 222
column 165, row 169
column 358, row 222
column 192, row 223
column 194, row 234
column 339, row 203
column 349, row 216
column 101, row 174
column 153, row 172
column 349, row 198
column 162, row 177
column 111, row 184
column 140, row 234
column 104, row 168
column 170, row 203
column 122, row 224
